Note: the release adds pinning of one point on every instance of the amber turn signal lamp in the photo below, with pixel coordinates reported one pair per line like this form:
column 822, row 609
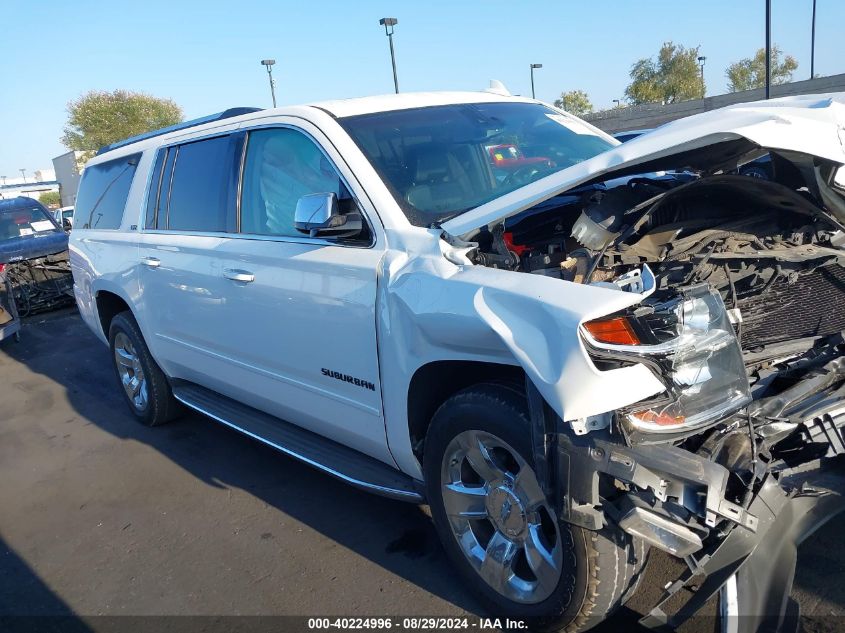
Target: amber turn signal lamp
column 613, row 330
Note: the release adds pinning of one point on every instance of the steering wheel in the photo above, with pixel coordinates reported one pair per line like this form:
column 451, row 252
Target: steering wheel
column 526, row 174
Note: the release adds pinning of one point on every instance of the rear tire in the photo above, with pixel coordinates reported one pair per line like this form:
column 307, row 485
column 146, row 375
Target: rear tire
column 580, row 577
column 145, row 388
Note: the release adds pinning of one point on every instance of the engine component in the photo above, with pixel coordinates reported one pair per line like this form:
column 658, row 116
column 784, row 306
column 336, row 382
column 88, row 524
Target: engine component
column 602, row 217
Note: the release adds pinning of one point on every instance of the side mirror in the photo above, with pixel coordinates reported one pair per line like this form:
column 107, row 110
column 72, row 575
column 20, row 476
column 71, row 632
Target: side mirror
column 318, row 215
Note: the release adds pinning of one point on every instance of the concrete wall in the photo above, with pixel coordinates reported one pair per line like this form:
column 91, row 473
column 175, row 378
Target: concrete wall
column 651, row 115
column 68, row 173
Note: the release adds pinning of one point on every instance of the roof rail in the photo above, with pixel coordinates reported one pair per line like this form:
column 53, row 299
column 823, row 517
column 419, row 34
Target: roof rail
column 226, row 114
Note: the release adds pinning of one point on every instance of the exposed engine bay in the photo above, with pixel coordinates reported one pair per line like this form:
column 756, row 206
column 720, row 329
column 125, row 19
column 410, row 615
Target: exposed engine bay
column 776, row 259
column 744, row 281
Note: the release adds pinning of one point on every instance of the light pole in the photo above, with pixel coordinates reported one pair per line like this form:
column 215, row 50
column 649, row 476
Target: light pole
column 768, row 47
column 388, row 24
column 268, row 63
column 701, row 61
column 23, row 174
column 533, row 66
column 813, row 44
column 618, row 102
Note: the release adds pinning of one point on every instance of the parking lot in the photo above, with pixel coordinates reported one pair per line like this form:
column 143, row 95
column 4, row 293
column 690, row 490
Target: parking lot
column 101, row 516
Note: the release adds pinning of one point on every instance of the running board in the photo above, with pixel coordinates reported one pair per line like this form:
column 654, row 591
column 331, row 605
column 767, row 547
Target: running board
column 337, row 460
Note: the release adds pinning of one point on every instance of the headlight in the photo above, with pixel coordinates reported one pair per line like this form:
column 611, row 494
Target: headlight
column 690, row 344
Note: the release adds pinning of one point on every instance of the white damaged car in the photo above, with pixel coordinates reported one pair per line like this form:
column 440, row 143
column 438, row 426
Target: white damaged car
column 572, row 350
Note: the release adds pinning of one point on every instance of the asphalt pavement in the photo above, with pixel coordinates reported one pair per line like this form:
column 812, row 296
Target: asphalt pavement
column 100, row 516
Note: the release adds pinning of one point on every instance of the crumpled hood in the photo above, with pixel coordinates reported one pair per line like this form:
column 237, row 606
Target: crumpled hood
column 809, row 124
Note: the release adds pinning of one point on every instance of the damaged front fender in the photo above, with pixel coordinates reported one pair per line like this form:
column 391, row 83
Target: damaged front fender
column 433, row 310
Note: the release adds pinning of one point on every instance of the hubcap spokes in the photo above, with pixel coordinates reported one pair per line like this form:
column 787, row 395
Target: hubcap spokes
column 130, row 371
column 500, row 517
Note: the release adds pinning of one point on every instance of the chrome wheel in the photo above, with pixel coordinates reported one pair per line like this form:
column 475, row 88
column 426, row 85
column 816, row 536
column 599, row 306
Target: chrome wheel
column 500, row 517
column 130, row 371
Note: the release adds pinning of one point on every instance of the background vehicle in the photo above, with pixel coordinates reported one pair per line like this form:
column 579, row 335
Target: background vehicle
column 64, row 217
column 33, row 253
column 552, row 357
column 624, row 137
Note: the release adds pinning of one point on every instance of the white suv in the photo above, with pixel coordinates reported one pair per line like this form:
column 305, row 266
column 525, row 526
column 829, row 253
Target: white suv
column 572, row 350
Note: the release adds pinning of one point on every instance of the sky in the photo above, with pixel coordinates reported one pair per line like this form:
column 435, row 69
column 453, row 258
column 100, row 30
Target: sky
column 205, row 55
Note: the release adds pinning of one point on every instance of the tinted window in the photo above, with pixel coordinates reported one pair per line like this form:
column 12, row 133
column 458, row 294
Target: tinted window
column 442, row 161
column 282, row 165
column 200, row 186
column 103, row 193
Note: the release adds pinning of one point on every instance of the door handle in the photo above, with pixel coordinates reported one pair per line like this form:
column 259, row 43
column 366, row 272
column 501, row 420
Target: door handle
column 234, row 274
column 151, row 262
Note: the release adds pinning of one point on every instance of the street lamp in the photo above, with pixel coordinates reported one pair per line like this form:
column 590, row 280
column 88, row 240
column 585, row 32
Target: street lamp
column 768, row 48
column 813, row 44
column 533, row 66
column 268, row 63
column 618, row 102
column 388, row 24
column 701, row 61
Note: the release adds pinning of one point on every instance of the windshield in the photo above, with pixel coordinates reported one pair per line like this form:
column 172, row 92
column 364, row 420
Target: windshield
column 24, row 220
column 442, row 161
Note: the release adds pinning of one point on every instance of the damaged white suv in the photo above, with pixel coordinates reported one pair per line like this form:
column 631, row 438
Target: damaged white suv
column 572, row 350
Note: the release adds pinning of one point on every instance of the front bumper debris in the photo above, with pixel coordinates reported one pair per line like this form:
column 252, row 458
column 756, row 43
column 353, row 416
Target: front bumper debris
column 689, row 505
column 758, row 543
column 764, row 562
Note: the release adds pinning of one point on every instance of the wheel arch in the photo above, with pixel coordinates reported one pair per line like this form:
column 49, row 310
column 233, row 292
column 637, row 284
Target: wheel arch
column 435, row 382
column 109, row 304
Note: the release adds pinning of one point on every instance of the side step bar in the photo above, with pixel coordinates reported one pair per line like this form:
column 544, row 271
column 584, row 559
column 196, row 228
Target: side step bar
column 337, row 460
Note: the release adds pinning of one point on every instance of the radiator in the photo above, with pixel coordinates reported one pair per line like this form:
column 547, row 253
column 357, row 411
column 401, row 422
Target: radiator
column 814, row 305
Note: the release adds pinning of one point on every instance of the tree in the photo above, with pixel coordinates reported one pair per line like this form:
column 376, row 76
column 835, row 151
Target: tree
column 750, row 73
column 575, row 102
column 50, row 198
column 99, row 118
column 674, row 76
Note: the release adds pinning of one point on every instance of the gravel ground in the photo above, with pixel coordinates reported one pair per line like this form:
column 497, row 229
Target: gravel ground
column 101, row 516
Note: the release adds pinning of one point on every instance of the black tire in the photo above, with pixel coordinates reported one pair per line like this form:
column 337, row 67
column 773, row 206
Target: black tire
column 599, row 568
column 161, row 406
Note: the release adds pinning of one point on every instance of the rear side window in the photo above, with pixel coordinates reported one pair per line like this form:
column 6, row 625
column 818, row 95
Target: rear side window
column 202, row 192
column 103, row 193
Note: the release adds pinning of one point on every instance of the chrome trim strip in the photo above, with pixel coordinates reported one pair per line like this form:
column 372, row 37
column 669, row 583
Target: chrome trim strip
column 400, row 495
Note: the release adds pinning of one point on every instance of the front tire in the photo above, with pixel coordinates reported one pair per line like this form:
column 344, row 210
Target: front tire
column 500, row 531
column 145, row 387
